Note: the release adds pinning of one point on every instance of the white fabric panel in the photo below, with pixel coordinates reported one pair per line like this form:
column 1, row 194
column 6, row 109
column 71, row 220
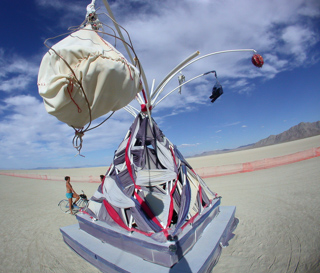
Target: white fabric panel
column 98, row 195
column 194, row 185
column 123, row 145
column 114, row 195
column 133, row 140
column 165, row 156
column 94, row 207
column 159, row 204
column 204, row 186
column 154, row 177
column 109, row 81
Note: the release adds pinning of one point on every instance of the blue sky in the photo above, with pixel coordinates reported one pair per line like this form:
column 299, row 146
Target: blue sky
column 256, row 102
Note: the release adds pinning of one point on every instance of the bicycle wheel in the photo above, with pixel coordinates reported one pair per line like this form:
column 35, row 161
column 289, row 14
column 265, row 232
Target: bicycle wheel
column 64, row 205
column 82, row 204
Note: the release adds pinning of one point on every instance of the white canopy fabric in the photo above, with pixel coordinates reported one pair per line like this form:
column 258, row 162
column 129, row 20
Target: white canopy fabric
column 154, row 177
column 114, row 195
column 165, row 156
column 159, row 204
column 94, row 206
column 108, row 80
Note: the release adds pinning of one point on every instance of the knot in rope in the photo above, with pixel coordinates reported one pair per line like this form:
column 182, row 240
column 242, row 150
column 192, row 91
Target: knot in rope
column 77, row 140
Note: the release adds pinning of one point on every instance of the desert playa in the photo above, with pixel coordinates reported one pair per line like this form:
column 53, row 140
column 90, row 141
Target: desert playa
column 278, row 210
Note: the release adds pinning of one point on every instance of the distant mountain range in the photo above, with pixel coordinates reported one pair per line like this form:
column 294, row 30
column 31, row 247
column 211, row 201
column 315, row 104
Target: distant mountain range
column 302, row 130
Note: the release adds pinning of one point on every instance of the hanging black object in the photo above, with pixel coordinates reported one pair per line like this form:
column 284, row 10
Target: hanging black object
column 217, row 89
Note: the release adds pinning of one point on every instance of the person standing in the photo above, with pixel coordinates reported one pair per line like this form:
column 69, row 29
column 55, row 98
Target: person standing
column 71, row 194
column 102, row 178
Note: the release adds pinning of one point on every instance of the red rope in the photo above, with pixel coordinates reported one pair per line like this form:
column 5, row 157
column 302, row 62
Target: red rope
column 70, row 89
column 171, row 192
column 128, row 163
column 143, row 204
column 115, row 217
column 144, row 96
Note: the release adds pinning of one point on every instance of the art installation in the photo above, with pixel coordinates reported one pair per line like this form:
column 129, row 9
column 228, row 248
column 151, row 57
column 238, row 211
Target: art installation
column 152, row 211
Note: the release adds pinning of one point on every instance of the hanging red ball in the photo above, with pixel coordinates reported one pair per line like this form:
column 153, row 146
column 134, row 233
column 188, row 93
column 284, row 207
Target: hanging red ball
column 257, row 60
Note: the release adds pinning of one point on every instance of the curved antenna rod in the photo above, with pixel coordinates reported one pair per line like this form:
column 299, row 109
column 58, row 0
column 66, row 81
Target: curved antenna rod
column 130, row 111
column 152, row 87
column 105, row 2
column 173, row 71
column 177, row 88
column 195, row 60
column 139, row 99
column 133, row 108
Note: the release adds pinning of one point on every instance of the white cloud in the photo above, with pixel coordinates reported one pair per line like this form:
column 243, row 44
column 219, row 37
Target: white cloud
column 188, row 145
column 231, row 124
column 169, row 37
column 297, row 39
column 70, row 9
column 16, row 73
column 29, row 132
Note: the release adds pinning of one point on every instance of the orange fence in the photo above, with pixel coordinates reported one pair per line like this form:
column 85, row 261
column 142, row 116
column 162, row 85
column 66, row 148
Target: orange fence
column 83, row 179
column 258, row 164
column 204, row 172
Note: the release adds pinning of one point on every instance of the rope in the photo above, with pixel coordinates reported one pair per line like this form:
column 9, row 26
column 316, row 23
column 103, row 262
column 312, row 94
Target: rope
column 78, row 134
column 77, row 140
column 70, row 89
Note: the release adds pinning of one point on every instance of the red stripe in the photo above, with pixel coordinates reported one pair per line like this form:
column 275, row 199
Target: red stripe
column 142, row 232
column 128, row 163
column 127, row 228
column 200, row 193
column 143, row 204
column 192, row 219
column 84, row 212
column 172, row 191
column 144, row 96
column 165, row 232
column 170, row 213
column 115, row 217
column 147, row 210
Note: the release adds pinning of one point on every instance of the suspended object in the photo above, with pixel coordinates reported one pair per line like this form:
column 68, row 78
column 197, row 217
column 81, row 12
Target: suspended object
column 84, row 77
column 181, row 79
column 257, row 60
column 217, row 90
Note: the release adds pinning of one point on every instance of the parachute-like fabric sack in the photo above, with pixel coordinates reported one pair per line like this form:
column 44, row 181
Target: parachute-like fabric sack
column 109, row 81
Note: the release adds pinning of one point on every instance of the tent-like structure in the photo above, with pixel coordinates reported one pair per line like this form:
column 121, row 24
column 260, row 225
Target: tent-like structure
column 151, row 203
column 150, row 188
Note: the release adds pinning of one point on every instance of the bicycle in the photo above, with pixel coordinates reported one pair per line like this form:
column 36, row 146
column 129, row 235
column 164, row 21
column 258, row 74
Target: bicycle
column 82, row 203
